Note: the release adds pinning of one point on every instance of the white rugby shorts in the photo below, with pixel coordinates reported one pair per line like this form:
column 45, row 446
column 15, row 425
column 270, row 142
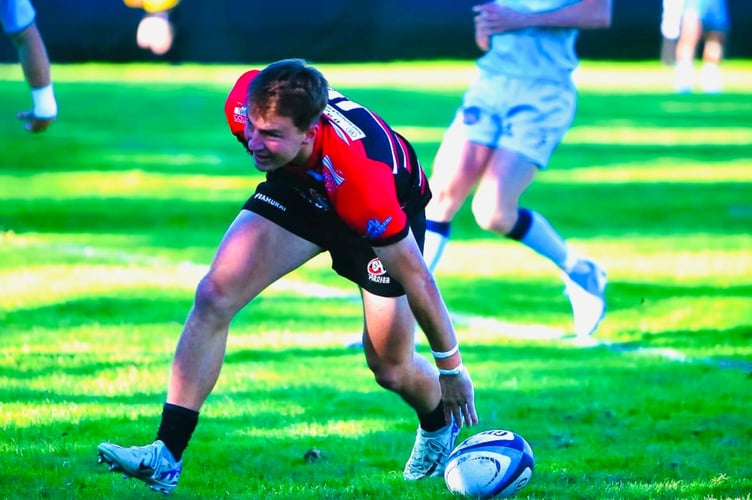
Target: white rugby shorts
column 527, row 116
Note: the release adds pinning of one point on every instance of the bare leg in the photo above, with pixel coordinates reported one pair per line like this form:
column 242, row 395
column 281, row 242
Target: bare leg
column 390, row 352
column 456, row 169
column 253, row 254
column 458, row 166
column 710, row 73
column 497, row 199
column 686, row 49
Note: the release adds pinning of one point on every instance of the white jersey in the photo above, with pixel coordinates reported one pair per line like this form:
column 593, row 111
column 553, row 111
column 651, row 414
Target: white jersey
column 537, row 53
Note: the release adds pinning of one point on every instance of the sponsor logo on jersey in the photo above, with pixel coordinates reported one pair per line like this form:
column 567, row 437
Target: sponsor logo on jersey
column 332, row 178
column 377, row 272
column 270, row 201
column 375, row 228
column 239, row 114
column 470, row 115
column 343, row 124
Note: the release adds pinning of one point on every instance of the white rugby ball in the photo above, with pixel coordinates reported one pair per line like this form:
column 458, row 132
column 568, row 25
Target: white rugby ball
column 490, row 464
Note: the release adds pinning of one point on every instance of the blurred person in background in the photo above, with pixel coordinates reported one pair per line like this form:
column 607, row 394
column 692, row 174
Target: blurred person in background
column 155, row 31
column 19, row 23
column 671, row 14
column 704, row 21
column 513, row 116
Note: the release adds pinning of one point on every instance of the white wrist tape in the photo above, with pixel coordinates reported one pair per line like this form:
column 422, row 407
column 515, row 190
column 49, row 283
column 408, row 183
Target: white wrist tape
column 446, row 354
column 452, row 372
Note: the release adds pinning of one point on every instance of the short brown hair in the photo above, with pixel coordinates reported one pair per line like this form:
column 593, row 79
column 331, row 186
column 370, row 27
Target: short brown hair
column 290, row 88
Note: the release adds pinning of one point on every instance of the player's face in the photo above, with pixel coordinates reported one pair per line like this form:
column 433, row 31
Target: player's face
column 274, row 141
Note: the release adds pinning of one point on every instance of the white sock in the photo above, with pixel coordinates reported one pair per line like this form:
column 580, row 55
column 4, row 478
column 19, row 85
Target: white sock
column 45, row 105
column 433, row 248
column 710, row 78
column 543, row 238
column 684, row 76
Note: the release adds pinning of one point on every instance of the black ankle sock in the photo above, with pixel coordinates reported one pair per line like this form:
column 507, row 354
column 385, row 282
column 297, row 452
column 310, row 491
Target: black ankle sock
column 176, row 428
column 433, row 421
column 522, row 226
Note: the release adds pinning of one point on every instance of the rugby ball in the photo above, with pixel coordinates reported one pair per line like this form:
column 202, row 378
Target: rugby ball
column 490, row 464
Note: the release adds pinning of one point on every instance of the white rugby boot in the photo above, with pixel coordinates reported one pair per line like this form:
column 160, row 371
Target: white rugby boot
column 587, row 294
column 152, row 464
column 430, row 452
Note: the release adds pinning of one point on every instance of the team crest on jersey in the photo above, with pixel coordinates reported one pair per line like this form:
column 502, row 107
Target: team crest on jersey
column 470, row 115
column 239, row 114
column 377, row 272
column 375, row 228
column 332, row 178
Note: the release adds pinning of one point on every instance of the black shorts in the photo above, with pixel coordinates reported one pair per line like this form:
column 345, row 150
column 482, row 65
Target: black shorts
column 304, row 211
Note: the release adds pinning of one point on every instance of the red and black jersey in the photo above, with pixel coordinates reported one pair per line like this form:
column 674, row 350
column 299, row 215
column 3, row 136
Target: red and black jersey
column 369, row 173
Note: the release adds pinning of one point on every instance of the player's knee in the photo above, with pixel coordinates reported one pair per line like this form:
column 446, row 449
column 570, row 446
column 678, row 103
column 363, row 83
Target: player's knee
column 212, row 299
column 493, row 218
column 445, row 203
column 387, row 377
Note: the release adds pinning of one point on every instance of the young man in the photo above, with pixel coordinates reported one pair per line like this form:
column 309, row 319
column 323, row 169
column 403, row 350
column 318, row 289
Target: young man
column 706, row 20
column 512, row 118
column 338, row 179
column 18, row 18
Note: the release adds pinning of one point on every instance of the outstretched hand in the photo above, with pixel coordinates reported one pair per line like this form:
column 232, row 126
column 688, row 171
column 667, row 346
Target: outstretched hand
column 458, row 396
column 34, row 123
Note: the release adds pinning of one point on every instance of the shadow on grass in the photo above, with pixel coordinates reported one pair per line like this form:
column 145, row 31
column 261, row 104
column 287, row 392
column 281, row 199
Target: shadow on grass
column 589, row 416
column 123, row 311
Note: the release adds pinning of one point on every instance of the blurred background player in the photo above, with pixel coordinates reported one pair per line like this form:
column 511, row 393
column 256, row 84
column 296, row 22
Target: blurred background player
column 670, row 27
column 19, row 23
column 155, row 30
column 707, row 21
column 513, row 116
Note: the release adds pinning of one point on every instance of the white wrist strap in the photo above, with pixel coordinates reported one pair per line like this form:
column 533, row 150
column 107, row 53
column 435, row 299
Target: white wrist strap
column 454, row 371
column 446, row 354
column 45, row 105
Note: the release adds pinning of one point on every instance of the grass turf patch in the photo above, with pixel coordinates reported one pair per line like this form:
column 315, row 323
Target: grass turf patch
column 110, row 217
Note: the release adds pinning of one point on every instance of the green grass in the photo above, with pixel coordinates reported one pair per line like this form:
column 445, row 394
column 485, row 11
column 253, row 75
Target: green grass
column 108, row 220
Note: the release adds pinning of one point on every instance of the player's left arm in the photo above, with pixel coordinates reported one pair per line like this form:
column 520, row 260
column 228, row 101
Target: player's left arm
column 405, row 263
column 492, row 18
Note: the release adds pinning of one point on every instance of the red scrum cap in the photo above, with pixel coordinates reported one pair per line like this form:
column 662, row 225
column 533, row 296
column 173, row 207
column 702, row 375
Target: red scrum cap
column 235, row 106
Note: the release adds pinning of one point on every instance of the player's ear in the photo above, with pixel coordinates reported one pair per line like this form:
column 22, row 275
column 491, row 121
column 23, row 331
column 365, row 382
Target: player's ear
column 310, row 134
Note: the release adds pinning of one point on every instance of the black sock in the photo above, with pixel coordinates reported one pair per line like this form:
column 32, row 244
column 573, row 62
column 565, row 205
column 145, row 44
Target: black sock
column 176, row 428
column 522, row 226
column 433, row 421
column 443, row 228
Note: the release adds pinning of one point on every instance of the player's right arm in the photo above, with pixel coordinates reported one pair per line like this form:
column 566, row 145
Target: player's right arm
column 405, row 263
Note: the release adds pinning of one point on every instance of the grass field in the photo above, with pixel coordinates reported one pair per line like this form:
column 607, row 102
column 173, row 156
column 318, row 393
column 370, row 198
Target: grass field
column 108, row 220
